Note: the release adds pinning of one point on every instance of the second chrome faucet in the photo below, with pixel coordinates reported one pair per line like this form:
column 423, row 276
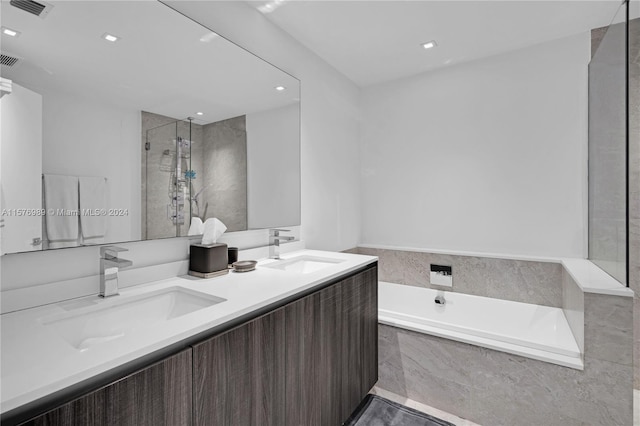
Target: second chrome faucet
column 274, row 241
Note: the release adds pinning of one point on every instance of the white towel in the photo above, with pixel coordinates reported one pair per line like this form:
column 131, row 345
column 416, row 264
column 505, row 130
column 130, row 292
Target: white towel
column 61, row 202
column 93, row 209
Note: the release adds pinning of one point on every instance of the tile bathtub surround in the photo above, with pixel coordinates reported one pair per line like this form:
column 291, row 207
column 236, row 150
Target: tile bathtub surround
column 608, row 328
column 496, row 388
column 636, row 342
column 353, row 250
column 573, row 307
column 517, row 280
column 634, row 183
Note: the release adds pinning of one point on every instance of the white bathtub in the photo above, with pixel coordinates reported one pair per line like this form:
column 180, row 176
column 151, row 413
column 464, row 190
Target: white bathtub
column 534, row 331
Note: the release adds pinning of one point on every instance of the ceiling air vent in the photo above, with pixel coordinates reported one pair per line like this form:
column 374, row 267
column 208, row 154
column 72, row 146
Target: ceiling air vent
column 40, row 9
column 8, row 61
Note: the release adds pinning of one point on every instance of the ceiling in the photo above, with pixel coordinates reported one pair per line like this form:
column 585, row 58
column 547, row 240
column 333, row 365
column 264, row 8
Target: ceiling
column 164, row 63
column 377, row 41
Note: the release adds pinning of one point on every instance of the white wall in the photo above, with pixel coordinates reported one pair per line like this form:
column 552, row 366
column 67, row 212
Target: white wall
column 86, row 138
column 273, row 161
column 329, row 120
column 487, row 156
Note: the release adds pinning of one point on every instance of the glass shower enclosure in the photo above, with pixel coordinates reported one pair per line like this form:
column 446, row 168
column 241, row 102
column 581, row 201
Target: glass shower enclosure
column 167, row 182
column 608, row 147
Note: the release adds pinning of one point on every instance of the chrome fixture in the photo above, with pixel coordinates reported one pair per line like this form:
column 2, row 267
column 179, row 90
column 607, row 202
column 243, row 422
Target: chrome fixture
column 441, row 275
column 274, row 242
column 109, row 267
column 440, row 300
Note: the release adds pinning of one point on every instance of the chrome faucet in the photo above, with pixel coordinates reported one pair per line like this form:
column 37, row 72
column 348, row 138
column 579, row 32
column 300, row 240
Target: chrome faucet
column 440, row 300
column 274, row 242
column 109, row 266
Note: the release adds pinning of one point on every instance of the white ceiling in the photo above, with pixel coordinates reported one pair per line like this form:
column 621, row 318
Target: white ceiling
column 376, row 41
column 160, row 64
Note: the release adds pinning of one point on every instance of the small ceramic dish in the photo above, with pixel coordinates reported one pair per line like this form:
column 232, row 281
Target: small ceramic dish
column 244, row 265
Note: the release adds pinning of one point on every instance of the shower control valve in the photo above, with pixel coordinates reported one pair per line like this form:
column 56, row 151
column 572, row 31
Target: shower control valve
column 441, row 275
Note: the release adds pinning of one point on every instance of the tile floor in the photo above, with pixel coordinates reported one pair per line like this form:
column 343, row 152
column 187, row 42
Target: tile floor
column 462, row 422
column 422, row 407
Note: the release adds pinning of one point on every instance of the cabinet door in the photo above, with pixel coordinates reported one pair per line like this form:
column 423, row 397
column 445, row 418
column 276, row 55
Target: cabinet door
column 359, row 338
column 303, row 361
column 314, row 356
column 332, row 352
column 328, row 394
column 158, row 395
column 352, row 335
column 368, row 282
column 239, row 375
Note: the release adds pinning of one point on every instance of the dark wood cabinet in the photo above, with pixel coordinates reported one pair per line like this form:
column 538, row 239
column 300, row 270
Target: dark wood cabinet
column 303, row 391
column 331, row 351
column 307, row 363
column 157, row 395
column 359, row 337
column 238, row 375
column 369, row 307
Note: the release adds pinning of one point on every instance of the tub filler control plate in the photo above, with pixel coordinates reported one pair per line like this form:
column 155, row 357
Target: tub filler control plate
column 441, row 275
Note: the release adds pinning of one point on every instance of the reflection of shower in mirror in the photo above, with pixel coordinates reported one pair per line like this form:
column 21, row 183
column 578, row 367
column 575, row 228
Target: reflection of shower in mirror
column 180, row 186
column 168, row 159
column 195, row 212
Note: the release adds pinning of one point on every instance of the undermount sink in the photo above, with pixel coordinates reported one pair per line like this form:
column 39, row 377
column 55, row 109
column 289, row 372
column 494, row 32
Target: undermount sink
column 121, row 316
column 304, row 264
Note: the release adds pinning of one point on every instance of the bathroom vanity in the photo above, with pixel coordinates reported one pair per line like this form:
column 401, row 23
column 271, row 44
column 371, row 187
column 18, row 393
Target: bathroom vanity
column 294, row 342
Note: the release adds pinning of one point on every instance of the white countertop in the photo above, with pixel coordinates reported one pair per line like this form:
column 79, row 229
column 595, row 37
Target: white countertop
column 36, row 362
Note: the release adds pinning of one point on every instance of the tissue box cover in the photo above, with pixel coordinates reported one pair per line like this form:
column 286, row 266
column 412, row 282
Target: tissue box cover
column 208, row 258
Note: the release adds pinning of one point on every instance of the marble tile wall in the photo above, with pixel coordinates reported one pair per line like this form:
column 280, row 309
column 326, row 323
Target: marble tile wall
column 634, row 184
column 573, row 307
column 517, row 280
column 608, row 328
column 495, row 388
column 225, row 154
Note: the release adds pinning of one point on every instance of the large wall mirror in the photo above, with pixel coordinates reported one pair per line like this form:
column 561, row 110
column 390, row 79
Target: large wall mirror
column 125, row 120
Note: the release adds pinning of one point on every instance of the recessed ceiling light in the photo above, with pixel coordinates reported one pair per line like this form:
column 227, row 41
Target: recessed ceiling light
column 429, row 44
column 280, row 88
column 110, row 37
column 199, row 113
column 10, row 32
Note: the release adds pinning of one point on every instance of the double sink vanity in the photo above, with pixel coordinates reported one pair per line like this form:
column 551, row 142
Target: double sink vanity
column 293, row 342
